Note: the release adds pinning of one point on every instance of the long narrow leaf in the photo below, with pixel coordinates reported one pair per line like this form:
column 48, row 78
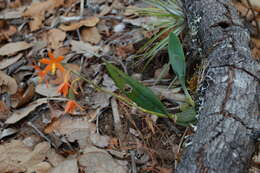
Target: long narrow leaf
column 136, row 91
column 177, row 60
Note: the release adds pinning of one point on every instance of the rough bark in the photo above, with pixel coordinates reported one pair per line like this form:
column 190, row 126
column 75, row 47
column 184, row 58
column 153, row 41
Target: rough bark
column 229, row 113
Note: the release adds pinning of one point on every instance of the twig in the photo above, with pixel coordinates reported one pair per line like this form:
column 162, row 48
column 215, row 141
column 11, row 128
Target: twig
column 41, row 134
column 81, row 7
column 133, row 164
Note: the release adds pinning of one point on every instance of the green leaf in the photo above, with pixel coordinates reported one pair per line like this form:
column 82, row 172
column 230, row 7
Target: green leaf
column 136, row 91
column 186, row 117
column 177, row 60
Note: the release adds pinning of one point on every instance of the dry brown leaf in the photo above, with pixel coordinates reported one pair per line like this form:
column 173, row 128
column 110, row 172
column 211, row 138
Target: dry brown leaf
column 23, row 96
column 5, row 62
column 12, row 48
column 67, row 166
column 55, row 38
column 6, row 30
column 256, row 48
column 4, row 110
column 254, row 3
column 89, row 22
column 43, row 167
column 54, row 158
column 36, row 23
column 12, row 13
column 48, row 91
column 91, row 35
column 100, row 141
column 75, row 129
column 84, row 48
column 123, row 51
column 7, row 84
column 16, row 157
column 19, row 114
column 40, row 7
column 37, row 11
column 96, row 160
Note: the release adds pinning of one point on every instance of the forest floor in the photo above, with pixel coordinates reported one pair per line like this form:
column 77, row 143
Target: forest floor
column 38, row 132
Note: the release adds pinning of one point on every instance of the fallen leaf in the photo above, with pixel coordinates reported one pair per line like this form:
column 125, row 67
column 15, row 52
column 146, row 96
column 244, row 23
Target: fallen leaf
column 91, row 35
column 55, row 38
column 67, row 166
column 6, row 30
column 22, row 97
column 5, row 62
column 54, row 158
column 100, row 100
column 254, row 3
column 48, row 91
column 4, row 110
column 12, row 48
column 40, row 7
column 19, row 114
column 42, row 167
column 75, row 129
column 84, row 48
column 7, row 84
column 123, row 51
column 98, row 140
column 89, row 22
column 96, row 160
column 37, row 11
column 36, row 22
column 256, row 48
column 12, row 13
column 16, row 157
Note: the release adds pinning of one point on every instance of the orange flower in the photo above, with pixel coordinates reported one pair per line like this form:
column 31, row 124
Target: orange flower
column 52, row 63
column 40, row 73
column 71, row 106
column 64, row 87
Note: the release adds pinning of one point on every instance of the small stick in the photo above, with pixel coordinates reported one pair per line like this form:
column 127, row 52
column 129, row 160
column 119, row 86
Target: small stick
column 40, row 133
column 81, row 7
column 133, row 162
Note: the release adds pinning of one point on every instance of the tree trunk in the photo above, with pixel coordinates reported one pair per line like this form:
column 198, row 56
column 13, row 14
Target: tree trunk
column 230, row 92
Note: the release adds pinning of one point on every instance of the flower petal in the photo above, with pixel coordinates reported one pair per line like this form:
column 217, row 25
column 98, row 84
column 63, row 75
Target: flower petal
column 59, row 66
column 50, row 55
column 45, row 61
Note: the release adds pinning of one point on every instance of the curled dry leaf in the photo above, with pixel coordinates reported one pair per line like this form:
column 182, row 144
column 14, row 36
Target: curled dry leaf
column 89, row 22
column 5, row 62
column 12, row 48
column 91, row 35
column 7, row 84
column 19, row 114
column 55, row 38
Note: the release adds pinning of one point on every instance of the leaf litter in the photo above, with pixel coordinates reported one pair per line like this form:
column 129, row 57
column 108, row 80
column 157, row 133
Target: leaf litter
column 37, row 135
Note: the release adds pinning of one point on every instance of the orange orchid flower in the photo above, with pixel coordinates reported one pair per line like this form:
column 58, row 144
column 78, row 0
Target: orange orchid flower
column 52, row 63
column 40, row 73
column 64, row 87
column 71, row 106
